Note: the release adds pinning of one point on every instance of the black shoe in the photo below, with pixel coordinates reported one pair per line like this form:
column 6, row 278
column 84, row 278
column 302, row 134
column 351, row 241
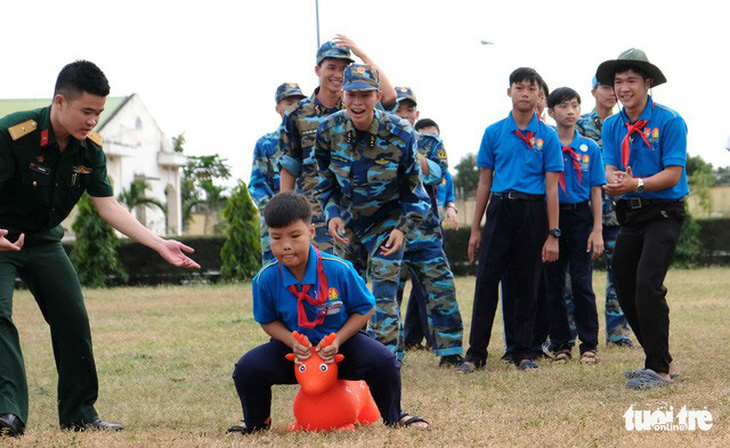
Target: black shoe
column 451, row 361
column 96, row 425
column 241, row 428
column 11, row 426
column 623, row 343
column 408, row 346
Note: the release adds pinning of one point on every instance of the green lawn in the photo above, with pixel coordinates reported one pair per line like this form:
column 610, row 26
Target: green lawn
column 165, row 357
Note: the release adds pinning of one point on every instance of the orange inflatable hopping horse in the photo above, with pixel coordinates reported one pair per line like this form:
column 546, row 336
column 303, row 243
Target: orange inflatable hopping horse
column 324, row 402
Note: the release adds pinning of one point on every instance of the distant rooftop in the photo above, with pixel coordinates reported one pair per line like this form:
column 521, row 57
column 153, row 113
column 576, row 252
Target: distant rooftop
column 113, row 104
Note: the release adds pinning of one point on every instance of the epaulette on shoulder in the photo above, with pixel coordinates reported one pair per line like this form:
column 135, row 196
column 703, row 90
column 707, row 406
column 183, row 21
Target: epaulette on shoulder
column 671, row 111
column 22, row 129
column 95, row 137
column 271, row 263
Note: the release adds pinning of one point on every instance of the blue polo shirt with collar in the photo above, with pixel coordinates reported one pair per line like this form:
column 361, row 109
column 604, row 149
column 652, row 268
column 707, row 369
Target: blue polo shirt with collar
column 516, row 166
column 665, row 131
column 347, row 294
column 591, row 167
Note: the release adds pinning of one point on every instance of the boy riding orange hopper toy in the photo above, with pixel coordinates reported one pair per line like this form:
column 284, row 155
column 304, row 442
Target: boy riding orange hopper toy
column 306, row 295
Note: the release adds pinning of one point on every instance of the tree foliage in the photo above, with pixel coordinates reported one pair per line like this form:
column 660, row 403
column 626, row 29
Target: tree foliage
column 241, row 253
column 198, row 186
column 467, row 174
column 95, row 254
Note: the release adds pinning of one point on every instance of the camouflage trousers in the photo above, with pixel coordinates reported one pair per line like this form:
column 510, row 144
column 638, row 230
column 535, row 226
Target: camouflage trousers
column 425, row 260
column 322, row 238
column 266, row 254
column 617, row 327
column 385, row 325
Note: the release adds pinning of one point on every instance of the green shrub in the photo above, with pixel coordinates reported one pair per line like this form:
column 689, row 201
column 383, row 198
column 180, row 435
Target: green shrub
column 241, row 253
column 95, row 254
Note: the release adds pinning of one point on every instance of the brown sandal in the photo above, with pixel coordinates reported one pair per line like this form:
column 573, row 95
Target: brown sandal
column 562, row 357
column 589, row 357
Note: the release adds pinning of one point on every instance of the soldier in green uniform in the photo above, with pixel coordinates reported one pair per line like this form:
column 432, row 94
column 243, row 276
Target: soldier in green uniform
column 48, row 158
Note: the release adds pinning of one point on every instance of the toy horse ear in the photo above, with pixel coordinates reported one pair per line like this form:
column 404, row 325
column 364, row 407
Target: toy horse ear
column 327, row 340
column 289, row 356
column 302, row 339
column 339, row 357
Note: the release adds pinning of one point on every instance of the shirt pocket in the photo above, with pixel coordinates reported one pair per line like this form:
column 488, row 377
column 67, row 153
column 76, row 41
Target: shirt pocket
column 533, row 161
column 381, row 177
column 37, row 187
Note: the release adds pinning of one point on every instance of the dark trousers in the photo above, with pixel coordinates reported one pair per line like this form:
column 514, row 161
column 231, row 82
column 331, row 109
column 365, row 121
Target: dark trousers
column 541, row 326
column 644, row 251
column 365, row 359
column 512, row 239
column 46, row 269
column 576, row 226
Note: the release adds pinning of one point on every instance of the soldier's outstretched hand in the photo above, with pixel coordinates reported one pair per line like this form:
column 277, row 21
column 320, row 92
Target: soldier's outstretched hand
column 172, row 252
column 7, row 246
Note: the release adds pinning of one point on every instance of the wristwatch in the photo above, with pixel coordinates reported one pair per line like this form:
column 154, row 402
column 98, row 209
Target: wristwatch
column 639, row 185
column 453, row 207
column 554, row 232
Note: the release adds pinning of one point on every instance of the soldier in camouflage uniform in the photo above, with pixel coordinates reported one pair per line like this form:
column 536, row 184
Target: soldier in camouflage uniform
column 370, row 189
column 264, row 183
column 424, row 254
column 618, row 331
column 299, row 127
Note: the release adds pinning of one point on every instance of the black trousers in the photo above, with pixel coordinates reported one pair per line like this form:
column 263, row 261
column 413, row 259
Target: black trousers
column 576, row 226
column 644, row 251
column 512, row 239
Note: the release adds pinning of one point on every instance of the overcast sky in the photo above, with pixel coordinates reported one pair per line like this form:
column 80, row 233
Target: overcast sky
column 210, row 69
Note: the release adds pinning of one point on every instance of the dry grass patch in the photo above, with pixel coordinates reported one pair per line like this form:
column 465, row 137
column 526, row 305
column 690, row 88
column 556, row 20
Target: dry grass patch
column 165, row 357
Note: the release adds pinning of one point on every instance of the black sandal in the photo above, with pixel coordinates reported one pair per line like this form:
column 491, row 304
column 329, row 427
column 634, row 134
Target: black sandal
column 241, row 428
column 407, row 420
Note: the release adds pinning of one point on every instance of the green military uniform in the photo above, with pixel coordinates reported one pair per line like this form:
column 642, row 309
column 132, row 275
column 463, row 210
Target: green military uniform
column 39, row 186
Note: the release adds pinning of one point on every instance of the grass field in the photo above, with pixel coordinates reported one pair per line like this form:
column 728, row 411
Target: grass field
column 165, row 357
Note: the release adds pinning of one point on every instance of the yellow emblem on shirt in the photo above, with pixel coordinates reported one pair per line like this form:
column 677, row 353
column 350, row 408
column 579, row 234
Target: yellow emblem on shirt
column 22, row 129
column 381, row 161
column 95, row 137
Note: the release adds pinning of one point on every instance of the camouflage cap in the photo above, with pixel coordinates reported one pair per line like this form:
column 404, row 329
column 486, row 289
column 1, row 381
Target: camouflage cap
column 405, row 93
column 288, row 89
column 631, row 57
column 361, row 77
column 330, row 50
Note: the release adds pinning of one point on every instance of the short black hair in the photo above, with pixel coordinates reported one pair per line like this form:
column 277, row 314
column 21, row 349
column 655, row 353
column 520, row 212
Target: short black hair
column 426, row 123
column 286, row 208
column 544, row 87
column 562, row 94
column 79, row 77
column 527, row 74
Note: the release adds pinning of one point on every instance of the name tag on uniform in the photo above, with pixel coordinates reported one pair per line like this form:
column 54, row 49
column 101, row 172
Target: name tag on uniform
column 333, row 308
column 39, row 168
column 81, row 169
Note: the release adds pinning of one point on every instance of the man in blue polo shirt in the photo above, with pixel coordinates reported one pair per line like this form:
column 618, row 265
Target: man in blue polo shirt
column 581, row 226
column 645, row 152
column 520, row 160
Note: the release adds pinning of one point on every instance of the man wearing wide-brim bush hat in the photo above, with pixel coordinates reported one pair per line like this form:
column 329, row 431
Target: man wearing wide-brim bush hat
column 630, row 58
column 645, row 153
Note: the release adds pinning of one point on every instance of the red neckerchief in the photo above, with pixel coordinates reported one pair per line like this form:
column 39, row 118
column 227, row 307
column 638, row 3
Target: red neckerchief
column 576, row 166
column 318, row 301
column 528, row 139
column 626, row 143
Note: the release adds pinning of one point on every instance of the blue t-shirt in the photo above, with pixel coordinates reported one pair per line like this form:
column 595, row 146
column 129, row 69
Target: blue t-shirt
column 591, row 168
column 666, row 132
column 347, row 294
column 517, row 167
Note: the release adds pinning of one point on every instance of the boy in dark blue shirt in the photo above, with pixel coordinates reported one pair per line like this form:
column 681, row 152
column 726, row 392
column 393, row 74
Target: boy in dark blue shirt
column 520, row 160
column 581, row 227
column 315, row 294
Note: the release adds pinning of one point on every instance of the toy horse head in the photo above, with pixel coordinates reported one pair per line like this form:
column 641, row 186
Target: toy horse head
column 314, row 375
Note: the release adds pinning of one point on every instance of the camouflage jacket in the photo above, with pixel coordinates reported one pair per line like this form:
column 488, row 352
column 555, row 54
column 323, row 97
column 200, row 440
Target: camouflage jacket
column 265, row 176
column 371, row 181
column 296, row 140
column 432, row 148
column 590, row 126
